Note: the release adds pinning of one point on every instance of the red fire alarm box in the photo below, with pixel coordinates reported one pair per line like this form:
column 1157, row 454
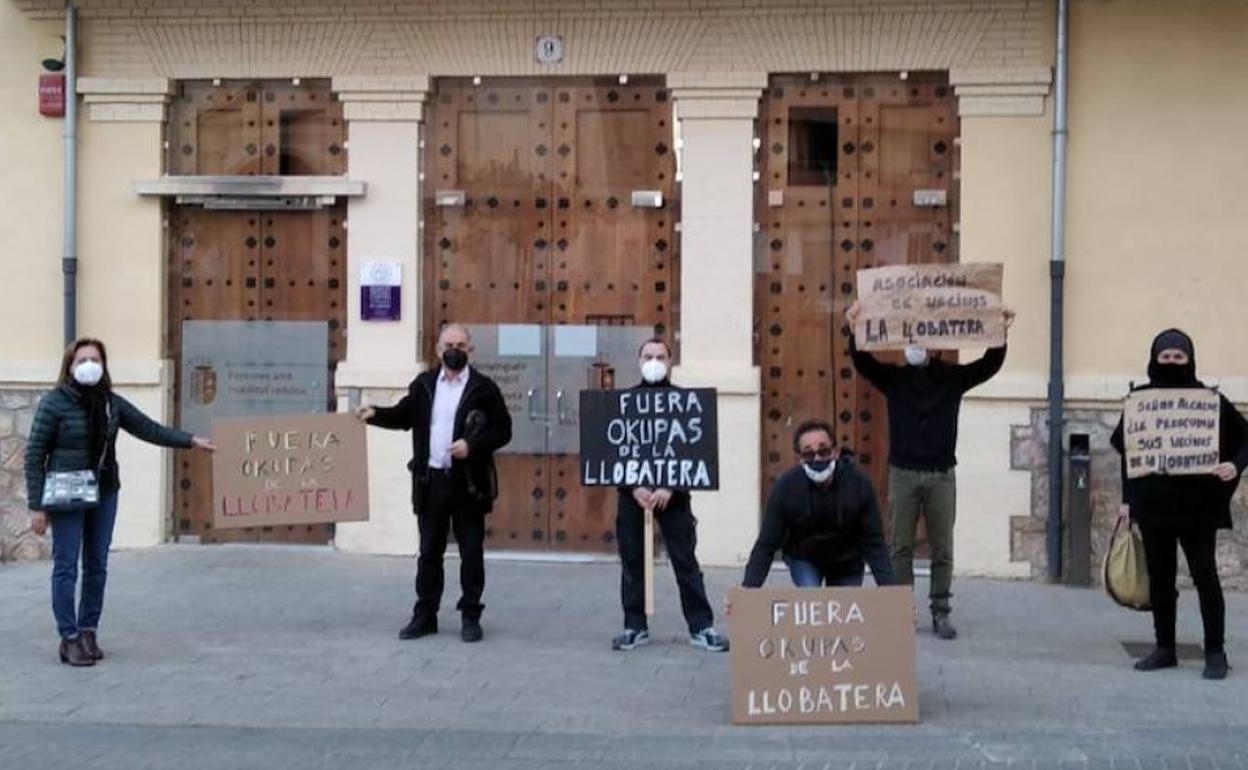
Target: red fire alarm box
column 52, row 95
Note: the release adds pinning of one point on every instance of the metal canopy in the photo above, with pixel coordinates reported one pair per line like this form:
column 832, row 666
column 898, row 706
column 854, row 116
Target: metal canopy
column 248, row 192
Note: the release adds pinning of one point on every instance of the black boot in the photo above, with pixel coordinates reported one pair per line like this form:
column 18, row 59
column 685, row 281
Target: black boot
column 942, row 627
column 1160, row 657
column 89, row 644
column 471, row 630
column 1216, row 666
column 419, row 626
column 74, row 654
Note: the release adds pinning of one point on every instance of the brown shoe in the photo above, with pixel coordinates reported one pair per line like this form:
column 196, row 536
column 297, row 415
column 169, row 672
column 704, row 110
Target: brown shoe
column 74, row 654
column 88, row 644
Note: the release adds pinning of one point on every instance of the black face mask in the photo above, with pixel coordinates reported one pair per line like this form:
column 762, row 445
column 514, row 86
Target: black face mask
column 454, row 359
column 1172, row 374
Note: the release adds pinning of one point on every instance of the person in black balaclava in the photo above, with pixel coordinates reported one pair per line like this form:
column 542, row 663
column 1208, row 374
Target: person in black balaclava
column 1186, row 511
column 458, row 420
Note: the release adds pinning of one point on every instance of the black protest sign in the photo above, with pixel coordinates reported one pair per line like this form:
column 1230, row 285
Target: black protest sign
column 650, row 437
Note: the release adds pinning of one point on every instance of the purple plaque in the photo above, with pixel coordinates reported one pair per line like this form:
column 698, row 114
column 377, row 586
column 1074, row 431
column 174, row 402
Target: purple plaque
column 381, row 291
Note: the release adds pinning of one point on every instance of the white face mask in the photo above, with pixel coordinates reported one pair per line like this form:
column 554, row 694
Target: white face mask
column 915, row 355
column 88, row 373
column 819, row 477
column 653, row 371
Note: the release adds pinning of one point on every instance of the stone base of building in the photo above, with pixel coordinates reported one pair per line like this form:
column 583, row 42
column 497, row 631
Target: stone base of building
column 1029, row 447
column 17, row 541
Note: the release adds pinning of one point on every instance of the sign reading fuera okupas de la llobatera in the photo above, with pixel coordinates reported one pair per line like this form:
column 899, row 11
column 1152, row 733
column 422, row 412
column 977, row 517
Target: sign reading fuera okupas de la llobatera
column 834, row 655
column 289, row 469
column 650, row 437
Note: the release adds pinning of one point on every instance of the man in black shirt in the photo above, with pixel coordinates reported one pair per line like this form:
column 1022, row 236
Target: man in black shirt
column 824, row 516
column 924, row 397
column 674, row 515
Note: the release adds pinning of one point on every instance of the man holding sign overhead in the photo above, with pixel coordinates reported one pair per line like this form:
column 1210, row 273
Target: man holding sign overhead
column 916, row 309
column 657, row 442
column 1183, row 450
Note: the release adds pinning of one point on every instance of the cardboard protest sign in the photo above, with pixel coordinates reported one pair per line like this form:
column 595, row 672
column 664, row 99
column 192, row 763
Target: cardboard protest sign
column 291, row 469
column 823, row 656
column 1171, row 431
column 650, row 437
column 936, row 306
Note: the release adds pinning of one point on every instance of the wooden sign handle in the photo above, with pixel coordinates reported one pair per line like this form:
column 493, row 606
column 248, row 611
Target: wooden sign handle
column 648, row 535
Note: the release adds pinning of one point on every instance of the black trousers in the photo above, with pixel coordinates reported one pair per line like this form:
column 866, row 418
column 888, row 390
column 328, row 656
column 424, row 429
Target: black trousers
column 446, row 508
column 1200, row 547
column 680, row 535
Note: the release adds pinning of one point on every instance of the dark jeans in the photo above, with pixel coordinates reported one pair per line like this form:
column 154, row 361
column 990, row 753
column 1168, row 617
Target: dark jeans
column 934, row 494
column 807, row 575
column 445, row 508
column 680, row 535
column 1200, row 547
column 88, row 533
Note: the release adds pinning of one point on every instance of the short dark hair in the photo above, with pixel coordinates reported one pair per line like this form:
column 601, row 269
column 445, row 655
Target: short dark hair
column 810, row 426
column 655, row 341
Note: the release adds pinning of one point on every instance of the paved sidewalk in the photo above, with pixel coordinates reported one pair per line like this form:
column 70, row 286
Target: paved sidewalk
column 240, row 657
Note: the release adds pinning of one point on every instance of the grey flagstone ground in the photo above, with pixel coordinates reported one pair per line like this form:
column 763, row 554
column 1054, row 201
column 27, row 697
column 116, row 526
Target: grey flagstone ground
column 269, row 657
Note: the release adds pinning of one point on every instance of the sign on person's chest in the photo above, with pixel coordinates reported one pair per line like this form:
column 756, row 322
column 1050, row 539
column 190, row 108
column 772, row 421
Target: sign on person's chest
column 650, row 437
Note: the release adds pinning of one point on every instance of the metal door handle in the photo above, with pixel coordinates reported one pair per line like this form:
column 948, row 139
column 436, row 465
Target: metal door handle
column 559, row 415
column 532, row 411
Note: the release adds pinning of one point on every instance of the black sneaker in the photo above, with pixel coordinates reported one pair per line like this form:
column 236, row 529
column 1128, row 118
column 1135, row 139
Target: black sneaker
column 631, row 639
column 471, row 630
column 943, row 628
column 1216, row 666
column 1159, row 658
column 418, row 627
column 710, row 640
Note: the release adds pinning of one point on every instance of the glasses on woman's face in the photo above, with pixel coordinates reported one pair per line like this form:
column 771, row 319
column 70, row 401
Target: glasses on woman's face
column 818, row 453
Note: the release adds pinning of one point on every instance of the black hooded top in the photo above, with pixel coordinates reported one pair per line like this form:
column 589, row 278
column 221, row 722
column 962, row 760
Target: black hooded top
column 1185, row 500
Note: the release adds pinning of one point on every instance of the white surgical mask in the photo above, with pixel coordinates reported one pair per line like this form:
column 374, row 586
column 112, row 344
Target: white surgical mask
column 653, row 371
column 915, row 355
column 88, row 373
column 817, row 476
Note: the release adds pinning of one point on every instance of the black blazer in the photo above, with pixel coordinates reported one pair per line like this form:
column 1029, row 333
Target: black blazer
column 414, row 412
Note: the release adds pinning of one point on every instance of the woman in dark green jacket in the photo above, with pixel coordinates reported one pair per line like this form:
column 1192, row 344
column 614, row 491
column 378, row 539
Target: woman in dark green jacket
column 75, row 429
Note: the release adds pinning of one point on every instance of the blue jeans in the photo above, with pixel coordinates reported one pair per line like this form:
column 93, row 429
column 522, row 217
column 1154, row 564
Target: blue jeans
column 807, row 575
column 88, row 533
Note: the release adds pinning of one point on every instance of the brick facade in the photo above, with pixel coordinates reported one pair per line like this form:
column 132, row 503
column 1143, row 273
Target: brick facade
column 182, row 39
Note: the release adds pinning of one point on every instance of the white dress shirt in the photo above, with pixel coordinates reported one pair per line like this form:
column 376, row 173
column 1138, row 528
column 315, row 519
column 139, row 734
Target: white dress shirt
column 442, row 422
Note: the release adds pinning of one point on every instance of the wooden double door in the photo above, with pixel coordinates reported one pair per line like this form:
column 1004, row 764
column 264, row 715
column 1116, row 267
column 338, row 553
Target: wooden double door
column 850, row 167
column 252, row 263
column 550, row 231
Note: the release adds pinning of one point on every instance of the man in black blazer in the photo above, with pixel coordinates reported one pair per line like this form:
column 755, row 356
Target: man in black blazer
column 458, row 420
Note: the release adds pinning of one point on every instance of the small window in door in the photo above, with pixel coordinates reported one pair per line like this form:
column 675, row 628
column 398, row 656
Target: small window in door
column 812, row 146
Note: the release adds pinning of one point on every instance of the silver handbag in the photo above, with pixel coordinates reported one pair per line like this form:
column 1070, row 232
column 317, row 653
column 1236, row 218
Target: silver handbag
column 65, row 491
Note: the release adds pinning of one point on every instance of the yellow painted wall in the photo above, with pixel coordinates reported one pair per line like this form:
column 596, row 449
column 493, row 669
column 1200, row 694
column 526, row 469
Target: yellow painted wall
column 30, row 199
column 1158, row 165
column 121, row 244
column 1005, row 217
